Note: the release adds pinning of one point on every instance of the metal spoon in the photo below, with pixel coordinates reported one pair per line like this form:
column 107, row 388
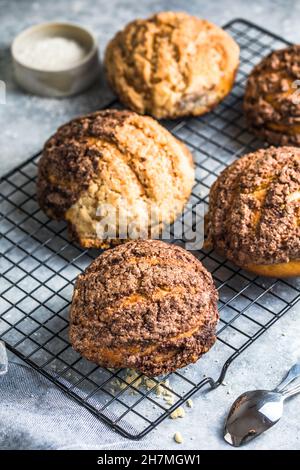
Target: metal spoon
column 257, row 411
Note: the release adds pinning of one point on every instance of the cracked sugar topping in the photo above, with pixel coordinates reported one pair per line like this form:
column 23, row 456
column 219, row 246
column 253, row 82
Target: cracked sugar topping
column 116, row 159
column 145, row 305
column 272, row 101
column 171, row 64
column 254, row 209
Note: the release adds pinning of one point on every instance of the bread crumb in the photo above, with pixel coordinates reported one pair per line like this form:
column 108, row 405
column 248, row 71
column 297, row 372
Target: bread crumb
column 123, row 385
column 131, row 377
column 178, row 413
column 178, row 438
column 166, row 383
column 169, row 400
column 149, row 383
column 190, row 403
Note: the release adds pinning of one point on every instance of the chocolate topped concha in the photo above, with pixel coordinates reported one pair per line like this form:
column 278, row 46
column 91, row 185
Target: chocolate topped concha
column 114, row 175
column 272, row 101
column 254, row 212
column 146, row 305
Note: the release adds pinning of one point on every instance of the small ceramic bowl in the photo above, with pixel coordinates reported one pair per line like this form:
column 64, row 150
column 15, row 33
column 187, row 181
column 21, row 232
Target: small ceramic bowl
column 56, row 83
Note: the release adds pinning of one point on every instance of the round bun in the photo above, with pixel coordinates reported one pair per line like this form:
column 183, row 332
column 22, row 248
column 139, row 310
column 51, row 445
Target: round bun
column 146, row 305
column 254, row 212
column 171, row 65
column 114, row 175
column 272, row 104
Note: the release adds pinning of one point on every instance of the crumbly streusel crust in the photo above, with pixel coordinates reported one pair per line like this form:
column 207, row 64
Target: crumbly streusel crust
column 272, row 103
column 171, row 64
column 114, row 160
column 254, row 208
column 146, row 305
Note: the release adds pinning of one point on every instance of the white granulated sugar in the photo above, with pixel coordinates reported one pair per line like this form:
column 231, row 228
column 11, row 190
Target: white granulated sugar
column 51, row 53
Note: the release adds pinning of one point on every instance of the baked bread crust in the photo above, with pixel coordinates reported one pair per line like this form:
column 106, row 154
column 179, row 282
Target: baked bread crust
column 116, row 160
column 146, row 305
column 271, row 104
column 254, row 212
column 171, row 65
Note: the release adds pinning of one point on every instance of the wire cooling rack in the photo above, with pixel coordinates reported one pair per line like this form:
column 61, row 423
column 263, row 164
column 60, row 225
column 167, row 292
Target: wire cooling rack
column 39, row 267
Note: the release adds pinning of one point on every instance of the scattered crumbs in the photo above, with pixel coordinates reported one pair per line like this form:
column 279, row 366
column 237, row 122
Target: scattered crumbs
column 224, row 384
column 178, row 438
column 190, row 403
column 133, row 377
column 134, row 381
column 178, row 413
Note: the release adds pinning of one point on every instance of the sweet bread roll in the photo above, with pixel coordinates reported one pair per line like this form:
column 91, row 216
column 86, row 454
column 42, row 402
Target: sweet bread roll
column 114, row 175
column 272, row 101
column 146, row 305
column 254, row 212
column 171, row 64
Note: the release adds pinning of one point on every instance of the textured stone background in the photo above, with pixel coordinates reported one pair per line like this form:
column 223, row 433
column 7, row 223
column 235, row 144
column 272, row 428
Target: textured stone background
column 25, row 123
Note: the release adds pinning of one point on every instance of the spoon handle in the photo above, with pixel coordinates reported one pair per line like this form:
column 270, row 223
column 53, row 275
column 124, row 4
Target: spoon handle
column 289, row 392
column 293, row 373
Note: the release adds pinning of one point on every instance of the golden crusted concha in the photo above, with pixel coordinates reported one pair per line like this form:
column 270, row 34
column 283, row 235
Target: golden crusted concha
column 171, row 64
column 114, row 175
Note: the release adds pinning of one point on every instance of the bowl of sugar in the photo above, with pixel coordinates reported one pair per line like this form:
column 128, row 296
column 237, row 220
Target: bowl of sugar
column 55, row 59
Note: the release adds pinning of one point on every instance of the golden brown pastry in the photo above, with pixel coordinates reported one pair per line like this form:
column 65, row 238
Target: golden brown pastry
column 146, row 305
column 254, row 212
column 272, row 103
column 171, row 65
column 114, row 174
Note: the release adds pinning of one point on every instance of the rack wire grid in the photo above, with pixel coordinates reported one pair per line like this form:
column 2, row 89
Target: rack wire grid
column 39, row 267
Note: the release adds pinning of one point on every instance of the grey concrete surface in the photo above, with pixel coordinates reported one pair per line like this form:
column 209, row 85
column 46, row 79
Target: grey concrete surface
column 26, row 121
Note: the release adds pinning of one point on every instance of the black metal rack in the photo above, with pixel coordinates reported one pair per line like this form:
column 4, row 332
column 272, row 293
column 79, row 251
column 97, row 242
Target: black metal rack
column 39, row 266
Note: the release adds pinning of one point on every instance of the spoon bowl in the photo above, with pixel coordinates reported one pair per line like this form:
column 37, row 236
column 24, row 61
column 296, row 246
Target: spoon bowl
column 256, row 411
column 251, row 414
